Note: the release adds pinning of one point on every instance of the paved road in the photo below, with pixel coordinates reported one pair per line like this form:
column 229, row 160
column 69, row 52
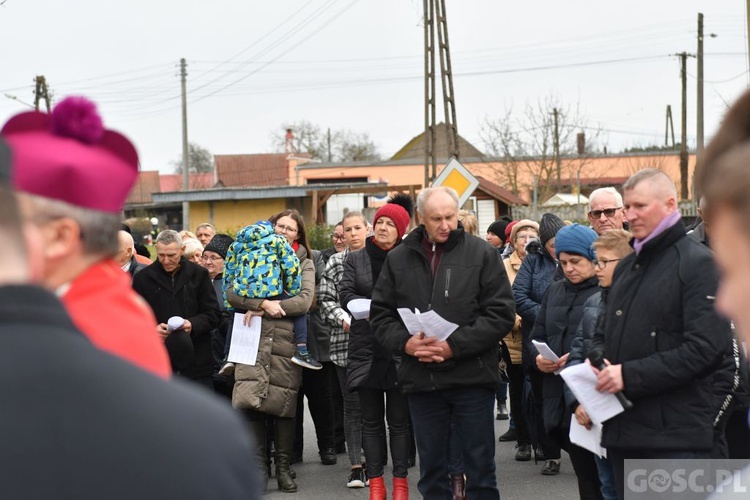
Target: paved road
column 517, row 480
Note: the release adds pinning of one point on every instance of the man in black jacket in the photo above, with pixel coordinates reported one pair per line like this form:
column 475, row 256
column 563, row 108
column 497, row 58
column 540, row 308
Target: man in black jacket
column 450, row 384
column 661, row 334
column 174, row 286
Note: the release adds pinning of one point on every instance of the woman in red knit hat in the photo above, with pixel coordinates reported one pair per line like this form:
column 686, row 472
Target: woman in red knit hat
column 371, row 370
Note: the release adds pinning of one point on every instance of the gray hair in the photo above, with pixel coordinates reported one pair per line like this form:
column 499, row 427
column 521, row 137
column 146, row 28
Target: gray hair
column 206, row 224
column 427, row 193
column 98, row 230
column 652, row 175
column 169, row 236
column 190, row 247
column 605, row 190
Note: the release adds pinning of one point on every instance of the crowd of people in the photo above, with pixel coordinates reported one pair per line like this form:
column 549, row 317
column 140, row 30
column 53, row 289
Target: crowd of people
column 633, row 293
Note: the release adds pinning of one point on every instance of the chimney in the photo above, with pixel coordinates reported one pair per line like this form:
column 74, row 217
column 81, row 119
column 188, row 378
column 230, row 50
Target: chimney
column 289, row 141
column 581, row 143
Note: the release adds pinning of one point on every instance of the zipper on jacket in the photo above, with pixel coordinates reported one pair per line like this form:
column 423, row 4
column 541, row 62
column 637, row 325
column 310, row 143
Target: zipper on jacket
column 433, row 274
column 447, row 283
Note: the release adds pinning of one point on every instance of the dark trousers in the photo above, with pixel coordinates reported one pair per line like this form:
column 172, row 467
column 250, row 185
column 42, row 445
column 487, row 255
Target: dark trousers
column 618, row 456
column 471, row 410
column 377, row 406
column 352, row 420
column 516, row 375
column 550, row 447
column 318, row 386
column 584, row 465
column 737, row 434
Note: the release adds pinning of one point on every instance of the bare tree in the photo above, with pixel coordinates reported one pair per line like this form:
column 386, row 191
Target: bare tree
column 335, row 146
column 201, row 160
column 524, row 146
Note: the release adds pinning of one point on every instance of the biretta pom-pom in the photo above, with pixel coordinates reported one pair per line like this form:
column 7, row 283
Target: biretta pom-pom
column 77, row 118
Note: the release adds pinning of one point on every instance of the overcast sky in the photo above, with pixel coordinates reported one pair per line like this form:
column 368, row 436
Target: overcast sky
column 358, row 64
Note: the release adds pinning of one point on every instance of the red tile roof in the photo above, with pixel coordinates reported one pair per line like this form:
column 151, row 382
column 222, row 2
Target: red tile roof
column 253, row 170
column 173, row 182
column 146, row 183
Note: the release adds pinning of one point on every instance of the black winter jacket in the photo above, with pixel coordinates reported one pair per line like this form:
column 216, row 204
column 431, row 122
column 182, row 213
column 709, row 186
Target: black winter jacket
column 661, row 326
column 556, row 324
column 369, row 364
column 187, row 293
column 536, row 274
column 470, row 288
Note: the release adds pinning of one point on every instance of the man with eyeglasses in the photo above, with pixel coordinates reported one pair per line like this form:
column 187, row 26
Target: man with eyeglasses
column 337, row 239
column 605, row 210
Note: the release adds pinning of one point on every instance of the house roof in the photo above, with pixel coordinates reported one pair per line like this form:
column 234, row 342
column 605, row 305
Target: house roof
column 253, row 169
column 561, row 199
column 173, row 182
column 499, row 192
column 415, row 148
column 146, row 183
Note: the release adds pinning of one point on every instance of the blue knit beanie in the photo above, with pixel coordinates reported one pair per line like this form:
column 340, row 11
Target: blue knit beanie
column 576, row 239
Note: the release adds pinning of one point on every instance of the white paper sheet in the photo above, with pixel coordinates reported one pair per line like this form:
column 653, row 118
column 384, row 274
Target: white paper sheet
column 431, row 323
column 360, row 308
column 581, row 380
column 587, row 438
column 245, row 340
column 547, row 353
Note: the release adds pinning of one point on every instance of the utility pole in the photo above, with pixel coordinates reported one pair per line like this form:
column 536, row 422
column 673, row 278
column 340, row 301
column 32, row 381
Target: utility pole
column 669, row 126
column 185, row 153
column 683, row 147
column 330, row 157
column 699, row 112
column 41, row 92
column 446, row 72
column 435, row 9
column 556, row 146
column 430, row 162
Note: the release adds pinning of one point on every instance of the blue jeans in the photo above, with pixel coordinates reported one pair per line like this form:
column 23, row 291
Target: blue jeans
column 471, row 411
column 607, row 478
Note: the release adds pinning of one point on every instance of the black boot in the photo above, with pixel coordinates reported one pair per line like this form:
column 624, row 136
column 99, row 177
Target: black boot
column 258, row 431
column 284, row 438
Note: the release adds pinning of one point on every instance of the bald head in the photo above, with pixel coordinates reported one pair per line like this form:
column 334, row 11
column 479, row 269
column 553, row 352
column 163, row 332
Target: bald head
column 126, row 248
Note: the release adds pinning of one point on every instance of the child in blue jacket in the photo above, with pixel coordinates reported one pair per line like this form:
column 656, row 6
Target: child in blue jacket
column 261, row 264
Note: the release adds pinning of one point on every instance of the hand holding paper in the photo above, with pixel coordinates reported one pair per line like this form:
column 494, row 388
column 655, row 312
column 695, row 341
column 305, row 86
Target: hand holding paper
column 430, row 323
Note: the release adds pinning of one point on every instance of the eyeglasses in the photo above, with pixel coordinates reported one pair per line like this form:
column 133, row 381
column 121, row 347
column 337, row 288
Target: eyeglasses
column 337, row 237
column 608, row 212
column 286, row 229
column 211, row 258
column 602, row 264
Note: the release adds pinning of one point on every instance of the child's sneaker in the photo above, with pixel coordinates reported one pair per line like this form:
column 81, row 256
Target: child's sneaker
column 302, row 357
column 227, row 370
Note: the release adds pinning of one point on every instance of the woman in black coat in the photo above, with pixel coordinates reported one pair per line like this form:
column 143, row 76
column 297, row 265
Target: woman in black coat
column 559, row 315
column 371, row 369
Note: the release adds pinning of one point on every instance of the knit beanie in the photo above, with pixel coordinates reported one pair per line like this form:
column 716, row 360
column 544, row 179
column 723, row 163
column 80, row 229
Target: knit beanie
column 549, row 226
column 523, row 223
column 576, row 239
column 498, row 229
column 219, row 244
column 398, row 209
column 509, row 228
